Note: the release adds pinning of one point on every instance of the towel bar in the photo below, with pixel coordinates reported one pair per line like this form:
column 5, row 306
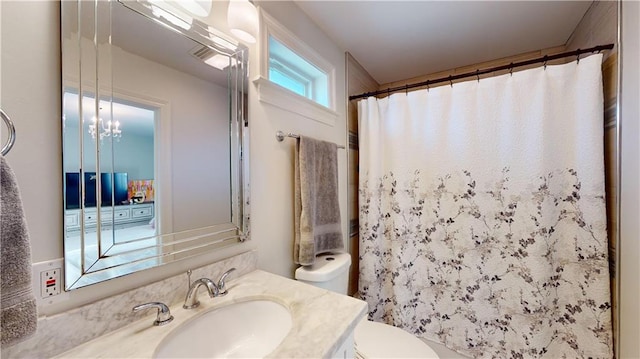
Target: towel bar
column 281, row 135
column 12, row 133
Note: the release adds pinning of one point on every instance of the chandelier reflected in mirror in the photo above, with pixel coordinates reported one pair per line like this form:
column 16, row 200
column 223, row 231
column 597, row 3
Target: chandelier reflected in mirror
column 104, row 129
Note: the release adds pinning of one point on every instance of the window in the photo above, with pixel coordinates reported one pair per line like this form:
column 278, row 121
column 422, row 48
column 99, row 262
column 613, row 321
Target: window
column 293, row 76
column 291, row 71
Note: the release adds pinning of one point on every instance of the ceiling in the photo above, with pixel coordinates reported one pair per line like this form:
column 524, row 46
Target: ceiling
column 153, row 42
column 397, row 40
column 159, row 44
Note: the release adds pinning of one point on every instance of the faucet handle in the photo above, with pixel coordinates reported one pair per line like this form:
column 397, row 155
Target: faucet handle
column 222, row 290
column 164, row 315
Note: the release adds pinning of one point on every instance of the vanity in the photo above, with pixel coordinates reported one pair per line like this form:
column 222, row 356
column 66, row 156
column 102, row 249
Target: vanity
column 322, row 322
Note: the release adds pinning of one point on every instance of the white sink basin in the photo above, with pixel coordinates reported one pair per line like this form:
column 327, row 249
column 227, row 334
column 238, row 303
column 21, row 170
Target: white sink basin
column 242, row 330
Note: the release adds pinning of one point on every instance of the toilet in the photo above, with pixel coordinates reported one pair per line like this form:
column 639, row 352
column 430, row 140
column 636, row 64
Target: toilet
column 331, row 272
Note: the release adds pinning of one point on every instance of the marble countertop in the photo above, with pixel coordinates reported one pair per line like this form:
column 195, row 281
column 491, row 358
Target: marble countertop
column 322, row 320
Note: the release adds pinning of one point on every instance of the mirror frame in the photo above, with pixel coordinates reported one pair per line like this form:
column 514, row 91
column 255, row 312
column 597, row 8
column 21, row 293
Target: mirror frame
column 172, row 246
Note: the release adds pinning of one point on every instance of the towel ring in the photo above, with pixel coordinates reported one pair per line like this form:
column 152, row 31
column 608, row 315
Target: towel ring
column 12, row 133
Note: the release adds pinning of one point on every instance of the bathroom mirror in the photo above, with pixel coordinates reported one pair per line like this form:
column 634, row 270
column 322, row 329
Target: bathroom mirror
column 154, row 129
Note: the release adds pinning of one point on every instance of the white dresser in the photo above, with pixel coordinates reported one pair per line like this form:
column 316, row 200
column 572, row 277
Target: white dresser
column 118, row 216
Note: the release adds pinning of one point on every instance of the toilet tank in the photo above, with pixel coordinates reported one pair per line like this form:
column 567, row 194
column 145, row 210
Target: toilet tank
column 330, row 271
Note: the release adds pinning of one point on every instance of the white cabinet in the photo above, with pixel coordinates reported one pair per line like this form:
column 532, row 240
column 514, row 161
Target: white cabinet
column 142, row 212
column 72, row 218
column 129, row 215
column 346, row 349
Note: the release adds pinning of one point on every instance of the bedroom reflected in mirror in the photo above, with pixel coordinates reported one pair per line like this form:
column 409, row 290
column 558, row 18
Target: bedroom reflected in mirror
column 121, row 142
column 154, row 123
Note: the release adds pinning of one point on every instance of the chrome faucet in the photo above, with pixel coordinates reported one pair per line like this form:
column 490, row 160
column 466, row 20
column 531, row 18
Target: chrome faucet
column 221, row 287
column 164, row 315
column 191, row 301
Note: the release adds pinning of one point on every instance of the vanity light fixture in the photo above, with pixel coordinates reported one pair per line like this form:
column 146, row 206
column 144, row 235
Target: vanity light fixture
column 200, row 8
column 159, row 12
column 242, row 18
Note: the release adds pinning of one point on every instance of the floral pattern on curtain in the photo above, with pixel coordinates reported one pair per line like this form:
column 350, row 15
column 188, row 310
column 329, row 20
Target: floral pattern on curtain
column 491, row 254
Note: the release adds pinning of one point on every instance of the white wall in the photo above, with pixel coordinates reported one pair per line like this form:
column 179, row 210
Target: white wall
column 133, row 154
column 199, row 126
column 31, row 96
column 272, row 161
column 630, row 186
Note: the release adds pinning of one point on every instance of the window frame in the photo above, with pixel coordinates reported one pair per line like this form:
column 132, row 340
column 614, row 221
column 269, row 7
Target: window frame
column 282, row 97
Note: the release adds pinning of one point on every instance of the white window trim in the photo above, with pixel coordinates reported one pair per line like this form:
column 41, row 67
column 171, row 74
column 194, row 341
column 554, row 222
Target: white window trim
column 281, row 97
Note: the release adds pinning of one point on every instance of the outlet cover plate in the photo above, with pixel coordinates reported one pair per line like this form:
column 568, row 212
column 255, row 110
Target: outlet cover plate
column 38, row 270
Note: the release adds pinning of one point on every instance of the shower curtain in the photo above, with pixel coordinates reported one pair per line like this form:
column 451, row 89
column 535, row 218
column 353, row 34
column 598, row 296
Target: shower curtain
column 482, row 214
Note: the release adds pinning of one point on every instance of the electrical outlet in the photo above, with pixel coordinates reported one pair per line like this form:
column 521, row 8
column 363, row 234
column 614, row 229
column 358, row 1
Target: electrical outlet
column 47, row 282
column 50, row 282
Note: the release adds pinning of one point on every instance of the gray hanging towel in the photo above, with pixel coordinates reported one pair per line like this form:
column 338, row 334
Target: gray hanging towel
column 317, row 208
column 17, row 303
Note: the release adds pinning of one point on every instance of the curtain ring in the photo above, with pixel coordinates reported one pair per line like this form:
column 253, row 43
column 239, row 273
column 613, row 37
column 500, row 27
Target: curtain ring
column 388, row 91
column 577, row 56
column 450, row 81
column 545, row 61
column 427, row 85
column 511, row 69
column 406, row 89
column 478, row 74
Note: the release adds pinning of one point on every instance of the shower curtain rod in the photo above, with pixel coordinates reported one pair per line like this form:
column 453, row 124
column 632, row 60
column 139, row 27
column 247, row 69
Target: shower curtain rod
column 477, row 73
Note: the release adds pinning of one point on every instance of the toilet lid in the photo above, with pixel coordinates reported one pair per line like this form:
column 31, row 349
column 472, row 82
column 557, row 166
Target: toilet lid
column 377, row 340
